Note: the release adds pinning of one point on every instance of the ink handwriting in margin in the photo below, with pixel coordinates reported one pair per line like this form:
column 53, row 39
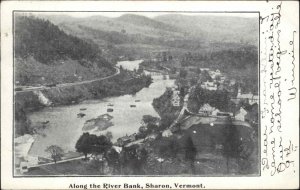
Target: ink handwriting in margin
column 275, row 153
column 292, row 89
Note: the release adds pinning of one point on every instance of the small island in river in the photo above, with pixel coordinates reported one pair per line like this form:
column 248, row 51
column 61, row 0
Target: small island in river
column 100, row 123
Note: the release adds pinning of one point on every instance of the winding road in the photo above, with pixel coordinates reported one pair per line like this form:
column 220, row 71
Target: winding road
column 28, row 89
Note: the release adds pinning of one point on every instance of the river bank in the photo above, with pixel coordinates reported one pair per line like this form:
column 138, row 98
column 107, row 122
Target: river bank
column 65, row 126
column 26, row 102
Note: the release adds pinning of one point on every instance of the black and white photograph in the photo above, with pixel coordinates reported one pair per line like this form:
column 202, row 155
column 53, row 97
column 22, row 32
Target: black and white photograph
column 180, row 95
column 136, row 93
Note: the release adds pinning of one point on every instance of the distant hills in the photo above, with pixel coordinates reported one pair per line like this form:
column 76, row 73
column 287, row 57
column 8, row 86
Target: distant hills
column 216, row 28
column 134, row 35
column 138, row 21
column 86, row 43
column 46, row 54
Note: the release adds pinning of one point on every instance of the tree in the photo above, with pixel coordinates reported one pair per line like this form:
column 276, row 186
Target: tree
column 149, row 125
column 167, row 147
column 190, row 152
column 90, row 143
column 142, row 156
column 133, row 159
column 182, row 73
column 84, row 144
column 121, row 68
column 140, row 70
column 182, row 91
column 173, row 70
column 55, row 151
column 205, row 76
column 148, row 119
column 109, row 135
column 101, row 145
column 113, row 158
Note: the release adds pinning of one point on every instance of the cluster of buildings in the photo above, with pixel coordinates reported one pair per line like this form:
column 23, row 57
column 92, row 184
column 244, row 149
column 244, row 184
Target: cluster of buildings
column 218, row 79
column 249, row 97
column 160, row 56
column 209, row 85
column 208, row 110
column 220, row 82
column 126, row 139
column 242, row 114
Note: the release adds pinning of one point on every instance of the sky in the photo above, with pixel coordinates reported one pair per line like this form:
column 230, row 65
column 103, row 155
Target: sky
column 147, row 14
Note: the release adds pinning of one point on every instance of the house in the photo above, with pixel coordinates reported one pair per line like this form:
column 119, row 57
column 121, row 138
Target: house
column 161, row 56
column 207, row 109
column 215, row 74
column 117, row 149
column 167, row 133
column 125, row 140
column 215, row 112
column 232, row 82
column 241, row 114
column 222, row 79
column 32, row 160
column 209, row 85
column 221, row 87
column 151, row 137
column 23, row 167
column 250, row 98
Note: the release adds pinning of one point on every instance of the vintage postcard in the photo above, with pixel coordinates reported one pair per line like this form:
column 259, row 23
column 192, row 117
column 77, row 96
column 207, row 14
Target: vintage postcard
column 149, row 95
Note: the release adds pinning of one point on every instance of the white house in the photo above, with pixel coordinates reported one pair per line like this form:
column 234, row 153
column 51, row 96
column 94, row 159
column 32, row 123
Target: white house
column 232, row 82
column 207, row 109
column 32, row 160
column 167, row 133
column 240, row 115
column 214, row 74
column 23, row 167
column 215, row 112
column 209, row 85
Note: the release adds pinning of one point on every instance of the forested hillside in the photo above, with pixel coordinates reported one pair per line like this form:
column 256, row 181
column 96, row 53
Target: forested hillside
column 46, row 54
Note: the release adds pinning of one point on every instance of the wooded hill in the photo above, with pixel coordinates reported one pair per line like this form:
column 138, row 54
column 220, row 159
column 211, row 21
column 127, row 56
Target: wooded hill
column 42, row 50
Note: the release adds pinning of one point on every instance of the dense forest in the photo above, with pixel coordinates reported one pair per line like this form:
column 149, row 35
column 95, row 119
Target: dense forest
column 44, row 54
column 47, row 43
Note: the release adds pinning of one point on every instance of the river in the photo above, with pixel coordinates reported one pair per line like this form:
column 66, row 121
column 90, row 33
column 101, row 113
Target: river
column 64, row 128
